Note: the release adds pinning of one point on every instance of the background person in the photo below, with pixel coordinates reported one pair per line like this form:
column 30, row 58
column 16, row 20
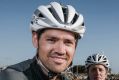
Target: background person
column 97, row 66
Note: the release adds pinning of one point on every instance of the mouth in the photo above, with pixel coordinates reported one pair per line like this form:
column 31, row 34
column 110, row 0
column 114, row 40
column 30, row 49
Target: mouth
column 97, row 78
column 58, row 59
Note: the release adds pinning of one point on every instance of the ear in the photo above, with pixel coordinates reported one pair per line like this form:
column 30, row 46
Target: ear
column 35, row 39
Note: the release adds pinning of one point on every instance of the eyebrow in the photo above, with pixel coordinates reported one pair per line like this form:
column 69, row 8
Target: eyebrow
column 55, row 37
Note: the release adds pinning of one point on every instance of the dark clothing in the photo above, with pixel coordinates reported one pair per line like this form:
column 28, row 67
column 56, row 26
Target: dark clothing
column 27, row 70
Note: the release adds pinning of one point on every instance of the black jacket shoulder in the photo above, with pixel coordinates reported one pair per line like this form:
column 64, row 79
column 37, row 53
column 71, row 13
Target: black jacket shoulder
column 22, row 66
column 26, row 70
column 15, row 72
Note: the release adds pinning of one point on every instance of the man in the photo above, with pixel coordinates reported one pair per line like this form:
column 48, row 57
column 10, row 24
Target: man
column 97, row 66
column 55, row 33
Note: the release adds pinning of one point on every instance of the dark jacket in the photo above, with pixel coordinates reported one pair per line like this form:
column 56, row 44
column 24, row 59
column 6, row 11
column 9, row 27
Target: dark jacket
column 27, row 70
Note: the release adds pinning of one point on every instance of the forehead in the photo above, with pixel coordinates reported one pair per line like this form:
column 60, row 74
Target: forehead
column 58, row 33
column 97, row 66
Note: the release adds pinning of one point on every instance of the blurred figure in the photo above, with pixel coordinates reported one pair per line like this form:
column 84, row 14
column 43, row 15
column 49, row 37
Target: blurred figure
column 97, row 66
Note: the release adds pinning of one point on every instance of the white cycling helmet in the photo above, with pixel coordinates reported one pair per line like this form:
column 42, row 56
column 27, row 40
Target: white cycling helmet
column 58, row 16
column 97, row 59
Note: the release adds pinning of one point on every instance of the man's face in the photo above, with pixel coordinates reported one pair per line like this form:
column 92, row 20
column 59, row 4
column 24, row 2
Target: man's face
column 97, row 72
column 56, row 49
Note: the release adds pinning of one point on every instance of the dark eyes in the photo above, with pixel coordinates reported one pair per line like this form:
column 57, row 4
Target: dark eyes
column 66, row 42
column 51, row 40
column 100, row 69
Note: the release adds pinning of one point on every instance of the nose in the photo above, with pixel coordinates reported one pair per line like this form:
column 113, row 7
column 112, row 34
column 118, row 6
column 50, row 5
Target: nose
column 60, row 48
column 97, row 72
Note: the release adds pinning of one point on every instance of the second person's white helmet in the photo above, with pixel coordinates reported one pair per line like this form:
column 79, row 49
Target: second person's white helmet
column 58, row 16
column 97, row 59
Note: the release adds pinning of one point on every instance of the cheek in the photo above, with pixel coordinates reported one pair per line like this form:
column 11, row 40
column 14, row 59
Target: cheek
column 71, row 52
column 43, row 49
column 104, row 74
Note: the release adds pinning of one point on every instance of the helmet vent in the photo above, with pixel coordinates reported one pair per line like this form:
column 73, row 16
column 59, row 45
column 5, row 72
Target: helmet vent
column 104, row 61
column 94, row 58
column 104, row 58
column 99, row 58
column 50, row 10
column 83, row 24
column 65, row 14
column 74, row 19
column 53, row 12
column 40, row 15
